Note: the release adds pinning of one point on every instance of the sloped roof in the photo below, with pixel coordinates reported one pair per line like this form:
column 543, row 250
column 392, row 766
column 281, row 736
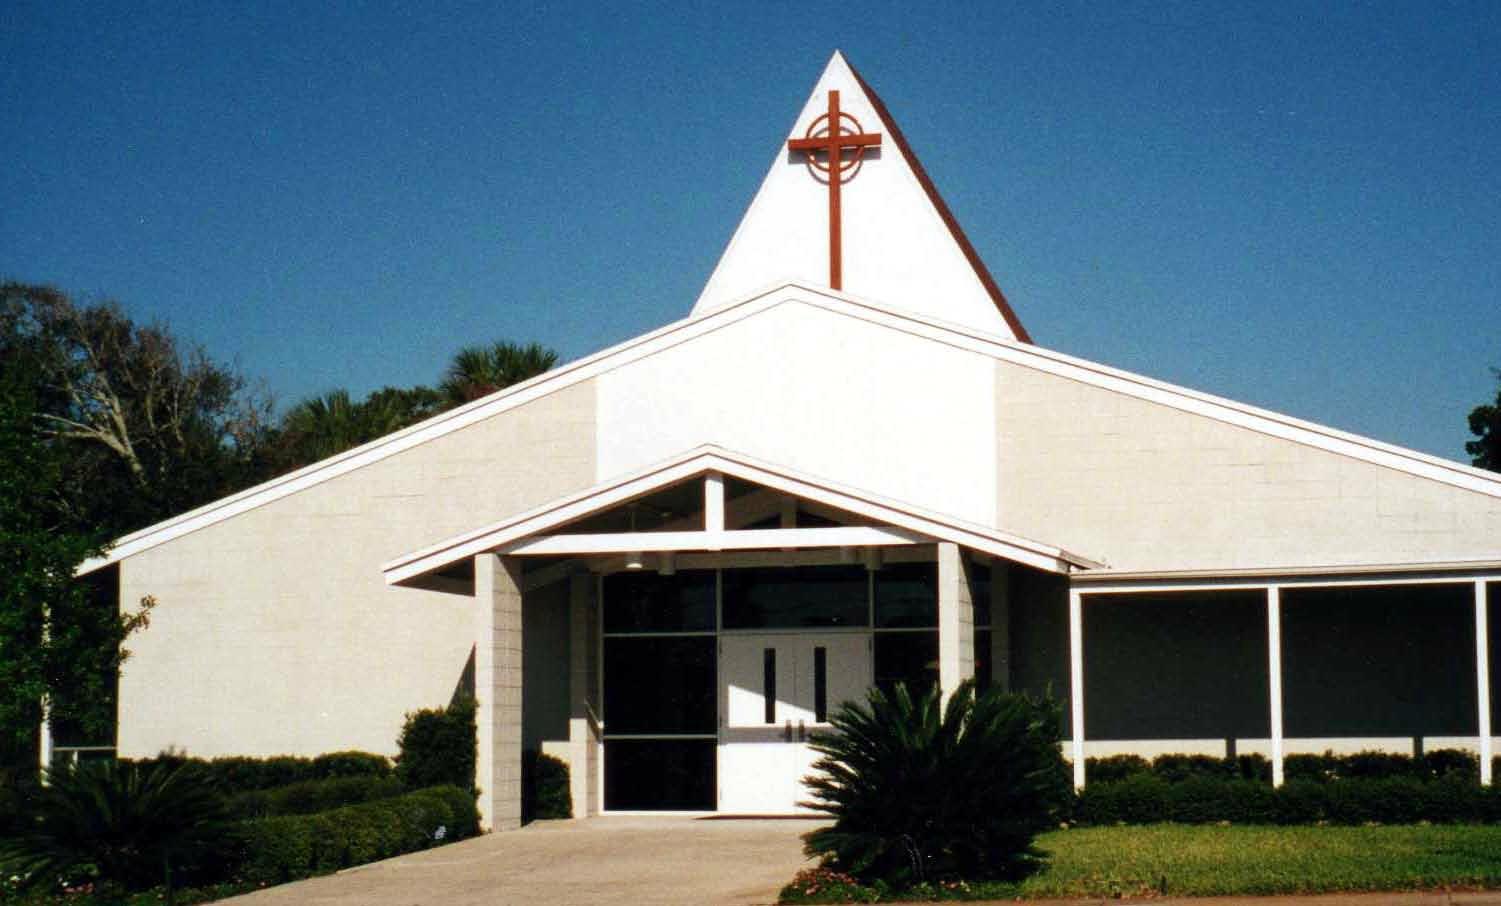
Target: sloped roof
column 998, row 347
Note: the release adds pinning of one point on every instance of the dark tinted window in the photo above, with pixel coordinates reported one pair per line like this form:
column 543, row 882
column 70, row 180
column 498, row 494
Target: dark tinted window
column 648, row 602
column 660, row 774
column 907, row 595
column 660, row 685
column 795, row 597
column 907, row 657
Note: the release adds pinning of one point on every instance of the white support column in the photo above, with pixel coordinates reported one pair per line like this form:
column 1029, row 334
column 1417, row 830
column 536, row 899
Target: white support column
column 1274, row 675
column 956, row 621
column 580, row 733
column 1483, row 678
column 497, row 690
column 1076, row 680
column 714, row 502
column 1000, row 624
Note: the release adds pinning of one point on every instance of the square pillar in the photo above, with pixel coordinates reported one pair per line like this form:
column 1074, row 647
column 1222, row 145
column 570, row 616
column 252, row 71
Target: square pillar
column 1000, row 624
column 956, row 621
column 497, row 690
column 583, row 725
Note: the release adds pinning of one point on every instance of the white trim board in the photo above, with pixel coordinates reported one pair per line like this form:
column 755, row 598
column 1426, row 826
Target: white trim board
column 1025, row 354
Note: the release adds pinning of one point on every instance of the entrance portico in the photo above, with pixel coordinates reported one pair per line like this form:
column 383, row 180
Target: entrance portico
column 720, row 610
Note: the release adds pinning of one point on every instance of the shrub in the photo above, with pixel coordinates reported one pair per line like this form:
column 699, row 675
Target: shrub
column 1177, row 768
column 1444, row 762
column 1312, row 768
column 289, row 847
column 1145, row 799
column 310, row 796
column 126, row 825
column 237, row 774
column 438, row 747
column 917, row 791
column 545, row 788
column 1114, row 768
column 351, row 764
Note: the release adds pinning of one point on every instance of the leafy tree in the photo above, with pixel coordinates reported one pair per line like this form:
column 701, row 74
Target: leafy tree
column 1485, row 424
column 60, row 650
column 149, row 427
column 920, row 792
column 478, row 371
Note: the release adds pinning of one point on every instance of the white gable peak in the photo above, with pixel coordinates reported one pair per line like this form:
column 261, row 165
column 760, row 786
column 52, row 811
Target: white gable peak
column 899, row 243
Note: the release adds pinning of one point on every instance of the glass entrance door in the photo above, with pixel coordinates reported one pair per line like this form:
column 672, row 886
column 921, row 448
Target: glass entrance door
column 776, row 690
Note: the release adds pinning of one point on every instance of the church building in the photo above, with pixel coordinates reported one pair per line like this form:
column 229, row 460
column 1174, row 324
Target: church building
column 848, row 465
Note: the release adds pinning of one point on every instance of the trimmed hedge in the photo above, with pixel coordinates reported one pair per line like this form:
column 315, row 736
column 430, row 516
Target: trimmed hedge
column 545, row 787
column 1323, row 768
column 237, row 774
column 285, row 848
column 311, row 796
column 1148, row 799
column 439, row 746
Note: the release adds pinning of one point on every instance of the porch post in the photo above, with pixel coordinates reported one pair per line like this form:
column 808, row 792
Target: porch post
column 956, row 621
column 497, row 690
column 581, row 729
column 1483, row 678
column 1274, row 675
column 1076, row 680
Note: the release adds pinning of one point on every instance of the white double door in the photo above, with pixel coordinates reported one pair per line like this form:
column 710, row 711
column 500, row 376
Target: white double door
column 775, row 691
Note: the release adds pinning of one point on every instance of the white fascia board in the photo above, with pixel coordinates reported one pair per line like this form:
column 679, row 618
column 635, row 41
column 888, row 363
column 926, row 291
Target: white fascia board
column 1100, row 581
column 744, row 539
column 504, row 534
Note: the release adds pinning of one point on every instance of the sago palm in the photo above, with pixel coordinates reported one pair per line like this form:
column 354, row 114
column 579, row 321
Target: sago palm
column 920, row 792
column 133, row 826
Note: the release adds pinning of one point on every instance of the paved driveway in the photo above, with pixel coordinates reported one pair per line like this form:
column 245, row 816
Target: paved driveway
column 658, row 861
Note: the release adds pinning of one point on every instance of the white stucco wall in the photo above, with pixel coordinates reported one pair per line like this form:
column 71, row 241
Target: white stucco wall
column 1142, row 485
column 821, row 392
column 275, row 632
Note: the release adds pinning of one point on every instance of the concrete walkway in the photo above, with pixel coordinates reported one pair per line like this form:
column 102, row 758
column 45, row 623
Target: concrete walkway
column 600, row 861
column 656, row 862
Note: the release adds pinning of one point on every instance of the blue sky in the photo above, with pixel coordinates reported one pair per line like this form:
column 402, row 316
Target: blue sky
column 1294, row 205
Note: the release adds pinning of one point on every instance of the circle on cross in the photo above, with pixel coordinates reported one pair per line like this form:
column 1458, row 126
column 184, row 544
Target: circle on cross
column 819, row 160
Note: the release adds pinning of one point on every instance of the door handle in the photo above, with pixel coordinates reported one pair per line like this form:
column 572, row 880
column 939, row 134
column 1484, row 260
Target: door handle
column 802, row 732
column 787, row 734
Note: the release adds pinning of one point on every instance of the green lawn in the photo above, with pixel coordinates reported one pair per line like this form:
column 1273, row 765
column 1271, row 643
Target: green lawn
column 1205, row 860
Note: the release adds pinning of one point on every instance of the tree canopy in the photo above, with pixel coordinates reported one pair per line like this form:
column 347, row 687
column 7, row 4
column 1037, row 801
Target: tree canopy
column 148, row 426
column 1485, row 424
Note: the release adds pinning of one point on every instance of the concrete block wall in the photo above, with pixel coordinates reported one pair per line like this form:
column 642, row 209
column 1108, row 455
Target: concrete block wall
column 274, row 631
column 1142, row 485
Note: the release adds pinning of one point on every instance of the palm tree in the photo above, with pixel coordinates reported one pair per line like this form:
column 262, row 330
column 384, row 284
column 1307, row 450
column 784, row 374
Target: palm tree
column 321, row 426
column 478, row 371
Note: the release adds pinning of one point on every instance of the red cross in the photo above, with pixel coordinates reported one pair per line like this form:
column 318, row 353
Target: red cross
column 834, row 141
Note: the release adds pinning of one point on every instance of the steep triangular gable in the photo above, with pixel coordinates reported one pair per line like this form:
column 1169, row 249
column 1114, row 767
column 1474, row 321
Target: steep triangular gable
column 900, row 242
